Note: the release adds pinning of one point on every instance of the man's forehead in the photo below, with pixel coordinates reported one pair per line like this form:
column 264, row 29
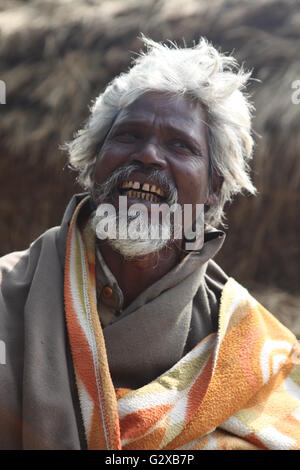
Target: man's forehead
column 174, row 110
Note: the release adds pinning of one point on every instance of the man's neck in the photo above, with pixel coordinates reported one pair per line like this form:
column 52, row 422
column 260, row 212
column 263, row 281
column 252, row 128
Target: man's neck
column 135, row 275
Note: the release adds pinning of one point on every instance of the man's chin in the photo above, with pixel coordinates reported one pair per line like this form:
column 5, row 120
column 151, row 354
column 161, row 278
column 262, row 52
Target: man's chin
column 130, row 235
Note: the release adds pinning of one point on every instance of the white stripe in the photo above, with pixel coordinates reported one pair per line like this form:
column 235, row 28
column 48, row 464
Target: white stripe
column 178, row 413
column 241, row 295
column 292, row 388
column 87, row 406
column 278, row 360
column 235, row 426
column 268, row 349
column 75, row 291
column 146, row 401
column 211, row 444
column 296, row 414
column 275, row 440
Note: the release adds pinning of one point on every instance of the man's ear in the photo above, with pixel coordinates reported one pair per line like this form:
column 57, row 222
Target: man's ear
column 215, row 186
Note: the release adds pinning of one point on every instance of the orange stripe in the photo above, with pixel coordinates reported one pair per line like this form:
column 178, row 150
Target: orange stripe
column 256, row 441
column 122, row 392
column 152, row 441
column 136, row 424
column 80, row 346
column 251, row 370
column 97, row 440
column 84, row 369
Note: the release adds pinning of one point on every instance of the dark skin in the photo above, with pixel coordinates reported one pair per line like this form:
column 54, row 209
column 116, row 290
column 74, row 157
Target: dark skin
column 170, row 134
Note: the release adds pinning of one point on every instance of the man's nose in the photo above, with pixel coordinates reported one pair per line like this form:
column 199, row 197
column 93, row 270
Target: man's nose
column 150, row 155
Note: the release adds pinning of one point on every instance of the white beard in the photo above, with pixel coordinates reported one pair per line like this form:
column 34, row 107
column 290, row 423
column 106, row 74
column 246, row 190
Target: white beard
column 138, row 243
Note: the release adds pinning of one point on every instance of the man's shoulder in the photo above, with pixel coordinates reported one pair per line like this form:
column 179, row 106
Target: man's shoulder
column 50, row 241
column 22, row 263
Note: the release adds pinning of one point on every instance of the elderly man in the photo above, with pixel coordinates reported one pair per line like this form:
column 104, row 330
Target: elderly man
column 122, row 342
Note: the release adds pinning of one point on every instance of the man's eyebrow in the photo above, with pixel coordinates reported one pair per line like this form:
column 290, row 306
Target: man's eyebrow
column 140, row 123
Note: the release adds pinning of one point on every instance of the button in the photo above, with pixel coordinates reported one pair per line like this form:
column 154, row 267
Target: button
column 107, row 292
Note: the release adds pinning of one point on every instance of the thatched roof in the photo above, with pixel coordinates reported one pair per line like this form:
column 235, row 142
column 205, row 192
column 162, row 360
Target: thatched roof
column 57, row 55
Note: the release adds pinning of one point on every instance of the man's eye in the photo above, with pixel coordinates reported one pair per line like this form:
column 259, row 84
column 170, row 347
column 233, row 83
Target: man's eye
column 181, row 145
column 127, row 137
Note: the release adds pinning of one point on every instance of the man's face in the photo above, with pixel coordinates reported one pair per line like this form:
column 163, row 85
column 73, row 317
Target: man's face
column 167, row 133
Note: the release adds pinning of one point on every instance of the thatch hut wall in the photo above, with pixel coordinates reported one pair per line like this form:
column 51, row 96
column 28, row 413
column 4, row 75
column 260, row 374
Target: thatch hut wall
column 56, row 56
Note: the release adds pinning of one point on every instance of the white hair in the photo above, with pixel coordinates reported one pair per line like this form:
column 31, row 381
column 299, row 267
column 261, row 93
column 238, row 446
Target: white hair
column 201, row 72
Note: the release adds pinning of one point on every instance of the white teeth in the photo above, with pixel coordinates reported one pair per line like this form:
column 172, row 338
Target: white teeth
column 155, row 189
column 147, row 195
column 146, row 187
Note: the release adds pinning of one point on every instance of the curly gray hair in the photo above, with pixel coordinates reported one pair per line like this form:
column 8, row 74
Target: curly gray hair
column 212, row 78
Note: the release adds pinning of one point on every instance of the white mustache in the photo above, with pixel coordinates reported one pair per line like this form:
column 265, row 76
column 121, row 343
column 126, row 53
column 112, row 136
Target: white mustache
column 103, row 192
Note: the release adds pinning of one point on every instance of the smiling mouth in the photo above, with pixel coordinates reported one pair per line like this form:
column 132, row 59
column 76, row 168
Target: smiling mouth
column 145, row 191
